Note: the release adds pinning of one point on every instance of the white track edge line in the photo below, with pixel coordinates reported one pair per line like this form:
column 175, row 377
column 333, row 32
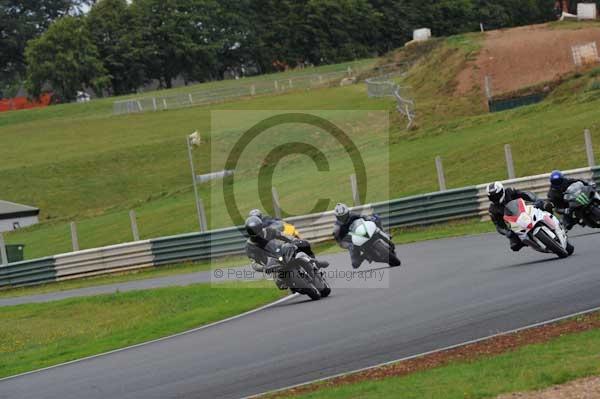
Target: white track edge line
column 216, row 323
column 390, row 362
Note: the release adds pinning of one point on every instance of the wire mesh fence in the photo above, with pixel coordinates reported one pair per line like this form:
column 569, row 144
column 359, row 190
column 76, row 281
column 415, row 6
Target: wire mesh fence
column 207, row 96
column 382, row 86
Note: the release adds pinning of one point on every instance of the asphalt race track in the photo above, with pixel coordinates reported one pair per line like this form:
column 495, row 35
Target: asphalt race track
column 447, row 292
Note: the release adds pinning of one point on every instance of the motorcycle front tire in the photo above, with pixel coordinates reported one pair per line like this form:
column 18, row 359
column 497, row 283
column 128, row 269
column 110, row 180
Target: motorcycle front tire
column 552, row 245
column 312, row 292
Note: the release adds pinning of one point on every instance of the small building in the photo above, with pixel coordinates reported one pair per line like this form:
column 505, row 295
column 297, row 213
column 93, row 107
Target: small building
column 15, row 216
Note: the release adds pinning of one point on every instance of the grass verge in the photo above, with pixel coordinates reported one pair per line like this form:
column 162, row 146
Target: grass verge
column 143, row 274
column 40, row 335
column 529, row 360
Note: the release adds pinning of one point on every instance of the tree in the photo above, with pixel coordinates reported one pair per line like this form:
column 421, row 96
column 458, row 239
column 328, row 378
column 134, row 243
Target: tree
column 23, row 20
column 65, row 58
column 339, row 30
column 171, row 36
column 112, row 27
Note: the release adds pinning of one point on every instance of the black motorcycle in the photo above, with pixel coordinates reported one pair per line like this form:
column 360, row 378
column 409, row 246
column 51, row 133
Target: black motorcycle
column 584, row 204
column 293, row 269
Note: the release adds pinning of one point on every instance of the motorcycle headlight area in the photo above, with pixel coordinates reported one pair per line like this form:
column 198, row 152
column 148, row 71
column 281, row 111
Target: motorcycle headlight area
column 524, row 221
column 362, row 231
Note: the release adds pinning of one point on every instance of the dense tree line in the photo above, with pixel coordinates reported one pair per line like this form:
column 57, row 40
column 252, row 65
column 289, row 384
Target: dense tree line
column 119, row 45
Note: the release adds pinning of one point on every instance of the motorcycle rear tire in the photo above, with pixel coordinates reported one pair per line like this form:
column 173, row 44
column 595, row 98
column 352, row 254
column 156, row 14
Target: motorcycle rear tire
column 552, row 245
column 394, row 261
column 570, row 248
column 595, row 211
column 325, row 291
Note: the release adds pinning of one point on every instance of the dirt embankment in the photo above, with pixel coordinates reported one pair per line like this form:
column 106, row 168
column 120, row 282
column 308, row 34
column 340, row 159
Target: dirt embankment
column 523, row 57
column 587, row 388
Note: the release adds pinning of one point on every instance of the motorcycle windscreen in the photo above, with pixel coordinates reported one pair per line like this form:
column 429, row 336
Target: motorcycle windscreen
column 513, row 210
column 573, row 191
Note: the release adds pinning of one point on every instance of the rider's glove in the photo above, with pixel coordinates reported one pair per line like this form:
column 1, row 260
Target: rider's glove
column 539, row 204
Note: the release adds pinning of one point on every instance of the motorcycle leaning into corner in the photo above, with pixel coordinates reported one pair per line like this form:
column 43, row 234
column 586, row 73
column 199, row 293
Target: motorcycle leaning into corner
column 584, row 204
column 293, row 269
column 373, row 243
column 538, row 229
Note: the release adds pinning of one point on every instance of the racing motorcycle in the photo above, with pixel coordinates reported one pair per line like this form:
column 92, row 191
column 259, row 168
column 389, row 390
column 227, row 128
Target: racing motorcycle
column 584, row 203
column 374, row 244
column 293, row 269
column 537, row 229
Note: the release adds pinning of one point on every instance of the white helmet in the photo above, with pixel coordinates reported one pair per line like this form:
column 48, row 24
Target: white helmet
column 342, row 212
column 496, row 193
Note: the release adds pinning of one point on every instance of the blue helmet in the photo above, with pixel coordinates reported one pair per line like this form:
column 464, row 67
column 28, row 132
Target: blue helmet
column 556, row 178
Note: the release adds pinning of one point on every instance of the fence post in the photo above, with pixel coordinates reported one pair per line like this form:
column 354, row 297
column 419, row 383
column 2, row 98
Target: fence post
column 139, row 104
column 203, row 222
column 488, row 87
column 276, row 86
column 354, row 185
column 291, row 84
column 276, row 204
column 440, row 173
column 252, row 90
column 134, row 227
column 509, row 161
column 154, row 103
column 165, row 103
column 589, row 148
column 74, row 238
column 3, row 256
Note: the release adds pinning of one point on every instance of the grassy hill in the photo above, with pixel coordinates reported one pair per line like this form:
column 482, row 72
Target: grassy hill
column 78, row 162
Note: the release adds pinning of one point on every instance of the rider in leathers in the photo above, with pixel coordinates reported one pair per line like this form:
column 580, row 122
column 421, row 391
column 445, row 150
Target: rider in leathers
column 263, row 242
column 499, row 197
column 344, row 219
column 278, row 224
column 558, row 186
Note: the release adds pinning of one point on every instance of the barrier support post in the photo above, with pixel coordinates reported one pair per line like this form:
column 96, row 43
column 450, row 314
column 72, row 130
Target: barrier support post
column 589, row 148
column 134, row 227
column 276, row 204
column 509, row 161
column 440, row 173
column 74, row 238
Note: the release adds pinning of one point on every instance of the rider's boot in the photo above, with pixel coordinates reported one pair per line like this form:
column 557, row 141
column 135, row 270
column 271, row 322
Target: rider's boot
column 515, row 243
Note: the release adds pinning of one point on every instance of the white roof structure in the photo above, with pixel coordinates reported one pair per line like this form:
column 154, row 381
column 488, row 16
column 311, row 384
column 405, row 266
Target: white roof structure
column 10, row 210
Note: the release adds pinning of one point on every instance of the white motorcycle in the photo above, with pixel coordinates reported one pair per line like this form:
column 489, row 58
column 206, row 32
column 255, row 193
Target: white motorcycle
column 374, row 244
column 537, row 229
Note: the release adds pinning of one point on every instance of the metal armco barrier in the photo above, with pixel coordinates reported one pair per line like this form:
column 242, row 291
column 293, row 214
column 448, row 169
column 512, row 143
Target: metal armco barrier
column 198, row 246
column 416, row 210
column 429, row 208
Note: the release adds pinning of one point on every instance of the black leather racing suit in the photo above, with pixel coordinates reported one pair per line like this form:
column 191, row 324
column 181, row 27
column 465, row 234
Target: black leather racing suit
column 277, row 224
column 556, row 197
column 496, row 212
column 340, row 233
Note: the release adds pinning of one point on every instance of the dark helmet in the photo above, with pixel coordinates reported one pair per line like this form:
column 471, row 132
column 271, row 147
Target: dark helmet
column 556, row 178
column 342, row 212
column 253, row 226
column 495, row 192
column 256, row 212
